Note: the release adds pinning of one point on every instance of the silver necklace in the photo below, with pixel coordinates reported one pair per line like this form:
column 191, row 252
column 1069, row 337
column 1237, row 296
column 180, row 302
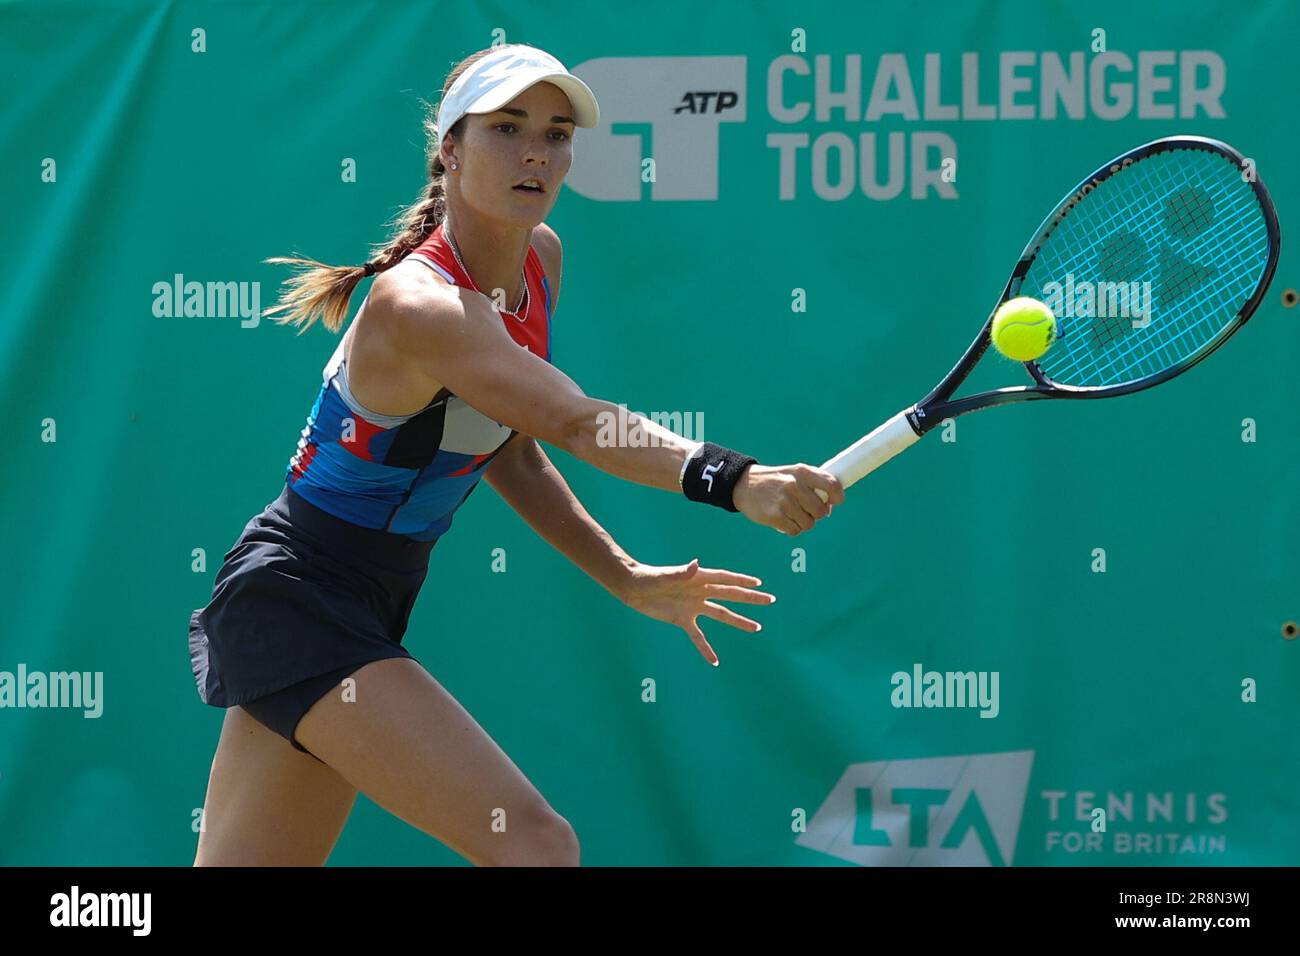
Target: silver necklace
column 519, row 313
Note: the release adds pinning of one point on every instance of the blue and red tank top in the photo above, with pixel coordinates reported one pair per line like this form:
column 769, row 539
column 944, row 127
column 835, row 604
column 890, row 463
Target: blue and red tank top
column 409, row 473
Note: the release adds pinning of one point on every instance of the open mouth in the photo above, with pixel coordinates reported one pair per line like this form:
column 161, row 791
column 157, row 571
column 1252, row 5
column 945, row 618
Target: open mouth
column 526, row 187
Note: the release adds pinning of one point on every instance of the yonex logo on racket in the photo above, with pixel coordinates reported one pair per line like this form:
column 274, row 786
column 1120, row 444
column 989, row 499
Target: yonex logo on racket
column 1163, row 250
column 1081, row 299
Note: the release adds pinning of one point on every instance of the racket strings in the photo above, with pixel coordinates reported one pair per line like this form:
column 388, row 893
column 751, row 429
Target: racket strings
column 1181, row 331
column 1143, row 220
column 1190, row 329
column 1151, row 266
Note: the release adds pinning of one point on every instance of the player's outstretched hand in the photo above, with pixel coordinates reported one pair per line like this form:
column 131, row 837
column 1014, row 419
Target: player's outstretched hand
column 785, row 497
column 679, row 594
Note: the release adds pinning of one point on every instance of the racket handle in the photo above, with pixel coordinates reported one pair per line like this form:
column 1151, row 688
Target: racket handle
column 871, row 451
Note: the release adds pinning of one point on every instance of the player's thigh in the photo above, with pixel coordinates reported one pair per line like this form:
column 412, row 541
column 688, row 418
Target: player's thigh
column 400, row 738
column 269, row 804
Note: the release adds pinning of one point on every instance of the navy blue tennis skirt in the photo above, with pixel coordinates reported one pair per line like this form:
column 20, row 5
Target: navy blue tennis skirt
column 302, row 600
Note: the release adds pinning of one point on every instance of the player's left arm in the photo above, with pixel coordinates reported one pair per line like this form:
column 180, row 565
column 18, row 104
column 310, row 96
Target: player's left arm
column 524, row 476
column 551, row 252
column 529, row 482
column 526, row 479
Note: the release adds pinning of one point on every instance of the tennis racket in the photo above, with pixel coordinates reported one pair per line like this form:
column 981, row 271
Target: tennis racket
column 1185, row 215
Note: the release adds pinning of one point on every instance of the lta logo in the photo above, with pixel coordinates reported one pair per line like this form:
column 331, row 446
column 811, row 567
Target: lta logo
column 938, row 811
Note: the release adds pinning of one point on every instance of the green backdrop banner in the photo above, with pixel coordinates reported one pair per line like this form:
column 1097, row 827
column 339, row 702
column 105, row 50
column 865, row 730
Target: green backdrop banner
column 836, row 196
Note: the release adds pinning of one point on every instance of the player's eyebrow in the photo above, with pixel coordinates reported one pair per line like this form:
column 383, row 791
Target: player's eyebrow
column 524, row 114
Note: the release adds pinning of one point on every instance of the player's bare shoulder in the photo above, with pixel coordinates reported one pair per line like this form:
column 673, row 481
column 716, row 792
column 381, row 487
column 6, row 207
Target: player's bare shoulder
column 547, row 243
column 405, row 316
column 409, row 286
column 551, row 252
column 407, row 302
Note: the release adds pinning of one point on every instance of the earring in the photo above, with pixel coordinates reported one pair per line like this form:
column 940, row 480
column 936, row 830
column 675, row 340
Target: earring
column 454, row 166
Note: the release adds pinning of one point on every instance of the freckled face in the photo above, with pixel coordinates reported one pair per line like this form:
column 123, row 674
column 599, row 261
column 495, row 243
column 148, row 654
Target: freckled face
column 522, row 140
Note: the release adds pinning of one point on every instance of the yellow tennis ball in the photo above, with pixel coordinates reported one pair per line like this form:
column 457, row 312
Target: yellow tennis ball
column 1023, row 329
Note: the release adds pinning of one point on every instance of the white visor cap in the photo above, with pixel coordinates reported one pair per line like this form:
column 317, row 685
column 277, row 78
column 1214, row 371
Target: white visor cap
column 497, row 78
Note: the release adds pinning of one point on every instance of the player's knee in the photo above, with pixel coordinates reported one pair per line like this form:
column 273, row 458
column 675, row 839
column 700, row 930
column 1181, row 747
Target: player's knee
column 537, row 836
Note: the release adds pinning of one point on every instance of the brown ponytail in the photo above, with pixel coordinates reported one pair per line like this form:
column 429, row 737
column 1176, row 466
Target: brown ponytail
column 321, row 291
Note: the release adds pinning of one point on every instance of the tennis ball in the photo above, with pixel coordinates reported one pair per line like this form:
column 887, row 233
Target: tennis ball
column 1023, row 329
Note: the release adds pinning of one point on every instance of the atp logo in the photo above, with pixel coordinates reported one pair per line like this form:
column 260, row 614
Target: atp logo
column 699, row 102
column 668, row 108
column 938, row 811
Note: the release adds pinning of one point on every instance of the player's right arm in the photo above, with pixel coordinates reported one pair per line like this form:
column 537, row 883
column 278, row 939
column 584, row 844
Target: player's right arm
column 437, row 335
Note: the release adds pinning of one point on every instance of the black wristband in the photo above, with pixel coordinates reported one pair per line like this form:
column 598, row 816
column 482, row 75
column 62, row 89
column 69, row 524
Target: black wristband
column 711, row 474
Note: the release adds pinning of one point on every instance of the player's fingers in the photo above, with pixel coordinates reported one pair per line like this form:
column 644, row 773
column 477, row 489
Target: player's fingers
column 719, row 576
column 796, row 513
column 697, row 638
column 827, row 486
column 727, row 592
column 810, row 502
column 784, row 524
column 728, row 616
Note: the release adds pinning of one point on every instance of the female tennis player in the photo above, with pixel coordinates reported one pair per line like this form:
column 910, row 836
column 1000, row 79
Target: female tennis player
column 443, row 378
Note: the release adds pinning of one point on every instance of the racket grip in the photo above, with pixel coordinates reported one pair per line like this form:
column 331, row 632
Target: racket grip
column 871, row 451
